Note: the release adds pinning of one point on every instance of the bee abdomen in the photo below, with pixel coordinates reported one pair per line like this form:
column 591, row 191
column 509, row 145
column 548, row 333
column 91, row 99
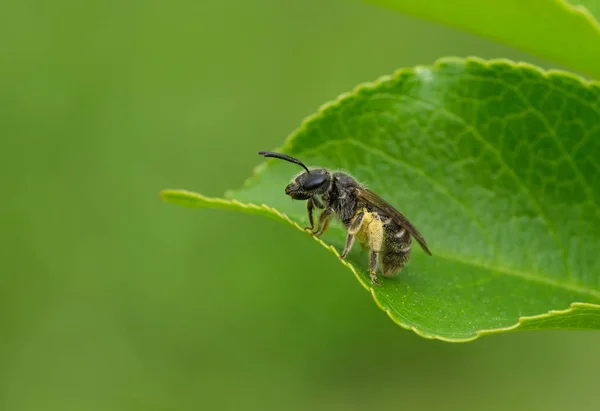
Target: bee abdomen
column 396, row 250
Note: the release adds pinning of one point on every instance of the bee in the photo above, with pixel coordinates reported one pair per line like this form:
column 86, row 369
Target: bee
column 367, row 217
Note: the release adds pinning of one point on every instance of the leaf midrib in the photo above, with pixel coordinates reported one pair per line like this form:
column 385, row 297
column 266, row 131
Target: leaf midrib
column 547, row 280
column 523, row 274
column 490, row 147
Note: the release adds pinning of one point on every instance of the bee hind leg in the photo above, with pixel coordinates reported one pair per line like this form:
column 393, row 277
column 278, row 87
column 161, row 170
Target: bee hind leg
column 375, row 237
column 373, row 267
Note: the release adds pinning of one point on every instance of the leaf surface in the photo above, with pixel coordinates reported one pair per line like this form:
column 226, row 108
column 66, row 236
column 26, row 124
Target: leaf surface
column 496, row 164
column 560, row 31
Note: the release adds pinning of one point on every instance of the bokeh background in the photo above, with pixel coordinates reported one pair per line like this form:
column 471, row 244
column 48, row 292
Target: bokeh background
column 112, row 300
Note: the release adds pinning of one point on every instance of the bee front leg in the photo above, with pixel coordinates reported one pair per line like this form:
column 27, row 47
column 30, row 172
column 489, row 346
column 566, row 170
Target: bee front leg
column 324, row 220
column 309, row 208
column 353, row 228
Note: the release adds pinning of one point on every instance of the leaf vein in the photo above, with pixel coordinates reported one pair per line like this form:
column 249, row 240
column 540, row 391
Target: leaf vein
column 552, row 133
column 524, row 188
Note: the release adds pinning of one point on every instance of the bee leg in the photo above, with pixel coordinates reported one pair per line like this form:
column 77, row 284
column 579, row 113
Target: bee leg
column 352, row 230
column 373, row 267
column 324, row 220
column 375, row 236
column 309, row 208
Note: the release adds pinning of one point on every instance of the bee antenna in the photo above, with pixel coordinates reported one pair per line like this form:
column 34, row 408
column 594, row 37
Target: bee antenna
column 284, row 157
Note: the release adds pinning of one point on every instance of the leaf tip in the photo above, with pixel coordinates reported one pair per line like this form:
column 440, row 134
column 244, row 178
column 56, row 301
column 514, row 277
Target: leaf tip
column 163, row 194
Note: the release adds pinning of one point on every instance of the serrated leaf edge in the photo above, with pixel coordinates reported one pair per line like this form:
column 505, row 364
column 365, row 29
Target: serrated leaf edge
column 200, row 201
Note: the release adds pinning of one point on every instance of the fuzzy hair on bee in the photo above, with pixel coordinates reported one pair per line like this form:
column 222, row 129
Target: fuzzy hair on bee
column 368, row 218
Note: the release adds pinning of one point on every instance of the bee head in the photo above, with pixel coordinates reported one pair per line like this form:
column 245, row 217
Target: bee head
column 305, row 185
column 309, row 184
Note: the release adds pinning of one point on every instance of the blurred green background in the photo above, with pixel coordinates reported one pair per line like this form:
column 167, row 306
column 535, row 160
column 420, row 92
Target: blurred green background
column 112, row 300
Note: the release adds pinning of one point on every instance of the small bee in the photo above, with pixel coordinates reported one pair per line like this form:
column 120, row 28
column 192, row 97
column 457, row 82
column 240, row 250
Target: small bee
column 366, row 216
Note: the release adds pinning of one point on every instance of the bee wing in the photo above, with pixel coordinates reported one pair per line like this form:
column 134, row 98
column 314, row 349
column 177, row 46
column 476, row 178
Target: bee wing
column 386, row 209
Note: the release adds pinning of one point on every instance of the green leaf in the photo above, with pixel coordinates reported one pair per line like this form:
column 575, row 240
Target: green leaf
column 496, row 164
column 551, row 29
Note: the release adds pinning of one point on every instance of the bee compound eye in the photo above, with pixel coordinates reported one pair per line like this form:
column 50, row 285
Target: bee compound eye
column 315, row 182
